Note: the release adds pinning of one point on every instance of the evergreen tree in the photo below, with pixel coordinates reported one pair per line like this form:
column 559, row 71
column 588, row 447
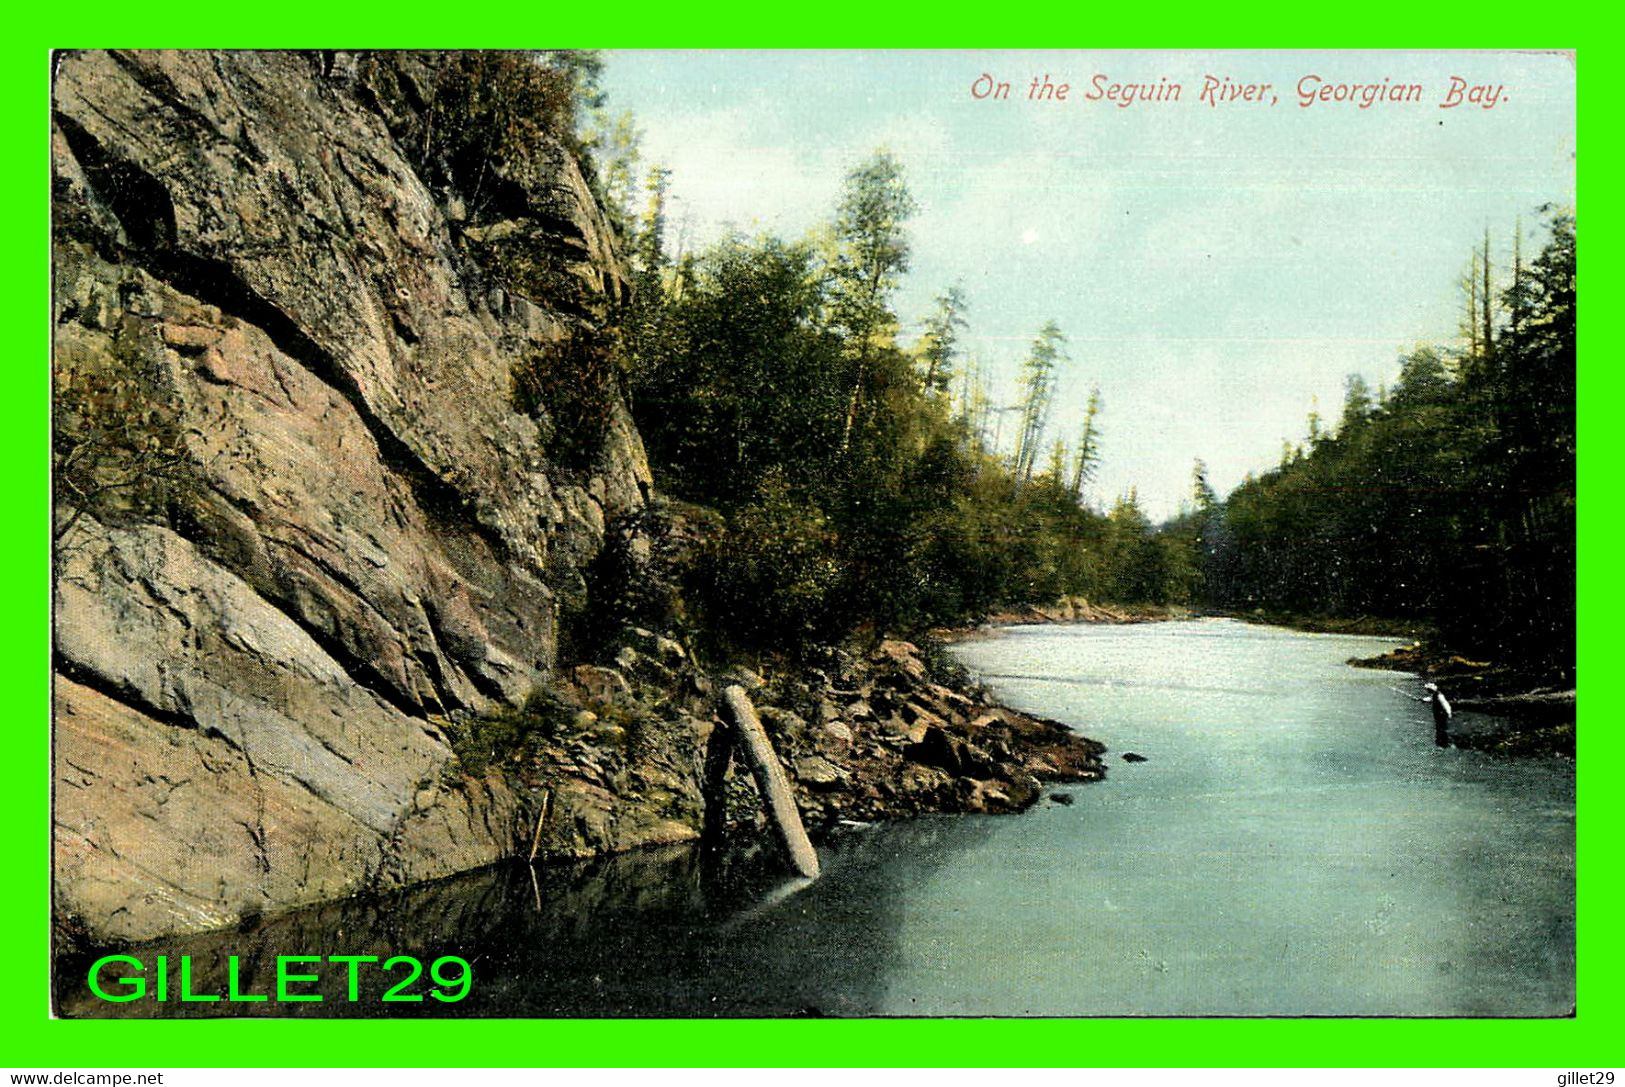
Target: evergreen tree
column 941, row 340
column 1087, row 461
column 1038, row 381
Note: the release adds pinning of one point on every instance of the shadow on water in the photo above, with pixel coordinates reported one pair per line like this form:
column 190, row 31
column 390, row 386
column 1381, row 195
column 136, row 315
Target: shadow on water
column 680, row 931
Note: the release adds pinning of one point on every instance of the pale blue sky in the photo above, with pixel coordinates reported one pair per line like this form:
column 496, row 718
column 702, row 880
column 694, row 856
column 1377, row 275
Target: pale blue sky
column 1214, row 269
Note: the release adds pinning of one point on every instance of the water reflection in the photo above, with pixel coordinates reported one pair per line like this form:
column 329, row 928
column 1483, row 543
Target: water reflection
column 1294, row 844
column 681, row 931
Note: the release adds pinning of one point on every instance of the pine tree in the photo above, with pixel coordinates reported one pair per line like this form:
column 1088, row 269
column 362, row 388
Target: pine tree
column 941, row 339
column 1356, row 404
column 1087, row 461
column 1038, row 379
column 650, row 242
column 1201, row 491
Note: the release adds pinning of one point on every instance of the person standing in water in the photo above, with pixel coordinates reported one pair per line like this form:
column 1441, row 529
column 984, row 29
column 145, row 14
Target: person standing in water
column 1441, row 714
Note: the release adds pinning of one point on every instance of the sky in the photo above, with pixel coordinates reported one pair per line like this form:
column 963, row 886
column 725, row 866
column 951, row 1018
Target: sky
column 1218, row 266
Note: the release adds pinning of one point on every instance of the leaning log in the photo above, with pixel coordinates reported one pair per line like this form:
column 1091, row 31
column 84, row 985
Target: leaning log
column 770, row 781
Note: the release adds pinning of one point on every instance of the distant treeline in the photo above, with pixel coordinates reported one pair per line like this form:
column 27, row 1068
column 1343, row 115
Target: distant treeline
column 858, row 470
column 1450, row 497
column 853, row 464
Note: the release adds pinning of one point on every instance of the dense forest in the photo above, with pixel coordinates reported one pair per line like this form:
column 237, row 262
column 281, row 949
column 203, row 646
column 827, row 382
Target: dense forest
column 854, row 465
column 1449, row 497
column 858, row 469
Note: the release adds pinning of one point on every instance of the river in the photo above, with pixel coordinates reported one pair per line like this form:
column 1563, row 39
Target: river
column 1294, row 843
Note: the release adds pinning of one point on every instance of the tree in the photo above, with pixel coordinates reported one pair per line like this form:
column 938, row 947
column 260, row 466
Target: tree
column 614, row 144
column 872, row 253
column 1356, row 404
column 488, row 110
column 1423, row 378
column 1038, row 379
column 1469, row 318
column 1202, row 491
column 1538, row 434
column 1056, row 472
column 941, row 340
column 1451, row 499
column 584, row 69
column 650, row 241
column 974, row 403
column 1087, row 461
column 1133, row 557
column 738, row 377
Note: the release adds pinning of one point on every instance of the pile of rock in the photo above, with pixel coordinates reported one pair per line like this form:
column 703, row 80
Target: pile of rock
column 862, row 738
column 882, row 738
column 1076, row 609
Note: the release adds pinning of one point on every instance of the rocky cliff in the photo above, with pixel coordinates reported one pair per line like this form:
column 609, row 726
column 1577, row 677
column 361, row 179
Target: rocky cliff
column 341, row 456
column 305, row 516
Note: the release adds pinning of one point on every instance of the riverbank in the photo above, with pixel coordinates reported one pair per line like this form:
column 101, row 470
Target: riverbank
column 1367, row 625
column 1538, row 706
column 1077, row 609
column 615, row 757
column 1069, row 609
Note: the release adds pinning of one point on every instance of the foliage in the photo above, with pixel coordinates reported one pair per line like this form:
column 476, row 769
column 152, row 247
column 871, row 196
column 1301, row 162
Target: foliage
column 118, row 452
column 871, row 255
column 941, row 340
column 768, row 381
column 1038, row 381
column 1452, row 499
column 570, row 388
column 735, row 376
column 491, row 110
column 508, row 734
column 775, row 577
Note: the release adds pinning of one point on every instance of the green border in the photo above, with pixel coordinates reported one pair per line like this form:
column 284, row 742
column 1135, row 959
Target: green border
column 33, row 1040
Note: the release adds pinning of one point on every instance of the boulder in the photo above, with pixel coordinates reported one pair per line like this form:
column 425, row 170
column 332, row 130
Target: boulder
column 601, row 684
column 835, row 737
column 937, row 748
column 782, row 724
column 903, row 658
column 817, row 772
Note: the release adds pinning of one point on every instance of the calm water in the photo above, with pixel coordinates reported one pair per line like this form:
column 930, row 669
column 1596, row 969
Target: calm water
column 1295, row 844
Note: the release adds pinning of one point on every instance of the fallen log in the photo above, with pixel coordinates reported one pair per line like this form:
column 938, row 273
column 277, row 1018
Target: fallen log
column 1546, row 705
column 770, row 781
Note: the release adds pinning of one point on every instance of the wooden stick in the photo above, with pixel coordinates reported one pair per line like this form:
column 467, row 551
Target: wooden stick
column 541, row 817
column 770, row 779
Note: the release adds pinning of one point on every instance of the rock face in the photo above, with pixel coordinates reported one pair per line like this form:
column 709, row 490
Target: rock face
column 314, row 523
column 342, row 461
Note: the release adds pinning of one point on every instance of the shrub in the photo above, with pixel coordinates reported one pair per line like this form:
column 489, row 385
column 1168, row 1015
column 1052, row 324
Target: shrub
column 482, row 741
column 118, row 452
column 570, row 388
column 774, row 579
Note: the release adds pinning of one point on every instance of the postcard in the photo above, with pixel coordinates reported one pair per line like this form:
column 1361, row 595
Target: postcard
column 866, row 534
